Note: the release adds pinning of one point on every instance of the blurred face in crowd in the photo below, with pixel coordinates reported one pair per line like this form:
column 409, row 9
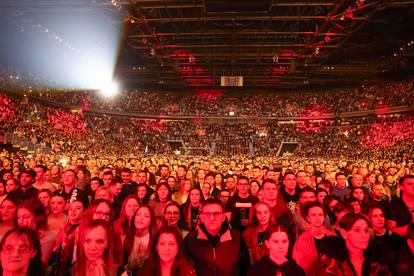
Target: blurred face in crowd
column 230, row 183
column 205, row 188
column 107, row 179
column 26, row 180
column 44, row 197
column 210, row 180
column 201, row 174
column 167, row 247
column 102, row 212
column 371, row 179
column 25, row 218
column 152, row 169
column 243, row 187
column 94, row 185
column 57, row 205
column 269, row 191
column 162, row 193
column 8, row 211
column 358, row 194
column 96, row 242
column 377, row 218
column 181, row 172
column 188, row 185
column 254, row 188
column 103, row 194
column 290, row 182
column 16, row 254
column 75, row 212
column 301, row 179
column 341, row 181
column 377, row 192
column 321, row 196
column 164, row 172
column 316, row 216
column 357, row 237
column 307, row 197
column 131, row 207
column 357, row 180
column 69, row 178
column 171, row 182
column 212, row 217
column 55, row 170
column 356, row 206
column 142, row 219
column 7, row 176
column 172, row 215
column 262, row 214
column 48, row 176
column 278, row 245
column 195, row 197
column 408, row 187
column 142, row 177
column 256, row 173
column 39, row 173
column 237, row 171
column 218, row 180
column 126, row 177
column 224, row 196
column 142, row 192
column 116, row 188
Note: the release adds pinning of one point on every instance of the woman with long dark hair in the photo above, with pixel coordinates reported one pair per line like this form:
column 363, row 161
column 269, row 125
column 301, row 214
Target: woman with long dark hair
column 254, row 235
column 192, row 208
column 167, row 258
column 31, row 214
column 20, row 253
column 8, row 211
column 128, row 209
column 162, row 195
column 137, row 243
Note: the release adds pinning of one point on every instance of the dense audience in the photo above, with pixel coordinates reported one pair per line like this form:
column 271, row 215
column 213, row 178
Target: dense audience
column 205, row 216
column 112, row 198
column 277, row 105
column 87, row 133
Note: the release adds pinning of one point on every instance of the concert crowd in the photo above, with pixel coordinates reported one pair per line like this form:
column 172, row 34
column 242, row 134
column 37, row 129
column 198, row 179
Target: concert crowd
column 111, row 197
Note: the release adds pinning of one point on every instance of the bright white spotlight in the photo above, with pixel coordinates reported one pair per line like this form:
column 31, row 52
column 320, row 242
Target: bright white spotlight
column 110, row 90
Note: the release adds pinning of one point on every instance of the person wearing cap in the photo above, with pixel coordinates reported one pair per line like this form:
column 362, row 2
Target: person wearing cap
column 26, row 191
column 69, row 191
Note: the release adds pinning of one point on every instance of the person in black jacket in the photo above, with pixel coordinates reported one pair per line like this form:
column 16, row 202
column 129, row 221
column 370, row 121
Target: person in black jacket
column 214, row 248
column 277, row 262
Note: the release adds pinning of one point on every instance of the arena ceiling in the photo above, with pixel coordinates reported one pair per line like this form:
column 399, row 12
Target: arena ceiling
column 272, row 44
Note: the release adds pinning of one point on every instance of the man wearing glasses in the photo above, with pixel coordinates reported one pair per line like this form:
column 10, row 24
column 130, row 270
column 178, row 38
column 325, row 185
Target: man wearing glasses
column 215, row 248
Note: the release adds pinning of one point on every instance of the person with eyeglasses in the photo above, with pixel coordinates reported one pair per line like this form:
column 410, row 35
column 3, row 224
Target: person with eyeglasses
column 173, row 217
column 20, row 253
column 214, row 248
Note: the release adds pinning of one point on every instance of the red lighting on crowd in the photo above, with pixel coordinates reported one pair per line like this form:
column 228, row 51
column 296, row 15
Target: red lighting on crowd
column 149, row 125
column 313, row 120
column 7, row 109
column 386, row 134
column 70, row 123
